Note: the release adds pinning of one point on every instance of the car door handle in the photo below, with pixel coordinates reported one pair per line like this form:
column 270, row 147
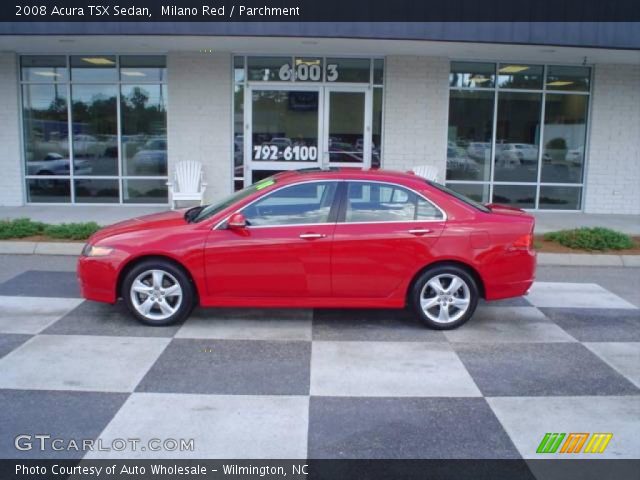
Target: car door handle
column 311, row 236
column 419, row 231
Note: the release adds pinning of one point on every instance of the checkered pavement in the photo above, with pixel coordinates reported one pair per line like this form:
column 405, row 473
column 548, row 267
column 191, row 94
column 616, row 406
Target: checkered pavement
column 273, row 383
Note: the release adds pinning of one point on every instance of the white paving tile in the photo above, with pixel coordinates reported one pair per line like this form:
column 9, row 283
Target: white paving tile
column 389, row 369
column 31, row 315
column 574, row 295
column 221, row 426
column 508, row 324
column 623, row 356
column 79, row 362
column 528, row 419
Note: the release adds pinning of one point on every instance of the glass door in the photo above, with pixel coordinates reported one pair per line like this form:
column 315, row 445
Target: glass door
column 283, row 129
column 347, row 127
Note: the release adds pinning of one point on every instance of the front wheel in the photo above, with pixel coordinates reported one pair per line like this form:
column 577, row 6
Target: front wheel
column 158, row 293
column 444, row 297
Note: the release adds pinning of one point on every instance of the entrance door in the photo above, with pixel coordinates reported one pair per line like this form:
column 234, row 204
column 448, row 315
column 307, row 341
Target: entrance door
column 283, row 129
column 347, row 127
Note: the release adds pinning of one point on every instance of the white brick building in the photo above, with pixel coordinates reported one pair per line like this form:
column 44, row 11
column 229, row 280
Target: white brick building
column 105, row 119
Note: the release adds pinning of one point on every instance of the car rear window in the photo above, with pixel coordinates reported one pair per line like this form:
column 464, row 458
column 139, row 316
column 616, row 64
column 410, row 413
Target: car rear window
column 459, row 196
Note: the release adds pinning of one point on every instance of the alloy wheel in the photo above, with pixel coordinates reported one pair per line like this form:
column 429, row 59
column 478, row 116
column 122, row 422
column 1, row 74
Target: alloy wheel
column 156, row 294
column 445, row 298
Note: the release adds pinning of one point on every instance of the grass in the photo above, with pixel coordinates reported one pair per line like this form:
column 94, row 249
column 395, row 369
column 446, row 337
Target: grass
column 25, row 227
column 597, row 238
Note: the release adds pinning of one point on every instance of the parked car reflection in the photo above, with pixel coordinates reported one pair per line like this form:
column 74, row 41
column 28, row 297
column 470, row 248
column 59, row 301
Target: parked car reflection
column 56, row 164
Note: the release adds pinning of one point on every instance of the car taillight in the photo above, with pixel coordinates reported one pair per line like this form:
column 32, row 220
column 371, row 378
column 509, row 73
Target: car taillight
column 525, row 242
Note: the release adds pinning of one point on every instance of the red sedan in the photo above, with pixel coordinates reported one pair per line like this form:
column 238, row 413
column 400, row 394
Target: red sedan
column 317, row 238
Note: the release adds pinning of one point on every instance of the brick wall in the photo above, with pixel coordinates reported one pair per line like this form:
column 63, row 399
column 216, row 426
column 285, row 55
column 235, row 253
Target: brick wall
column 199, row 116
column 416, row 109
column 613, row 166
column 11, row 182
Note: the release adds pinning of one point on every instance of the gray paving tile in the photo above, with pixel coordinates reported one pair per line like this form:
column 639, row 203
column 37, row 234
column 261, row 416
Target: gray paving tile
column 377, row 325
column 248, row 324
column 10, row 341
column 574, row 295
column 76, row 362
column 233, row 367
column 540, row 369
column 221, row 426
column 623, row 356
column 94, row 318
column 597, row 324
column 507, row 302
column 64, row 415
column 388, row 369
column 527, row 419
column 508, row 324
column 32, row 315
column 40, row 283
column 394, row 428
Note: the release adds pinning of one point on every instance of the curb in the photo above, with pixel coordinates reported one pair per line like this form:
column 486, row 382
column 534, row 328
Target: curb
column 544, row 259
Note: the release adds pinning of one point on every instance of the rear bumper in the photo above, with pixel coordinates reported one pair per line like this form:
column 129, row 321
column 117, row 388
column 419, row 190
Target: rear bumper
column 97, row 279
column 515, row 280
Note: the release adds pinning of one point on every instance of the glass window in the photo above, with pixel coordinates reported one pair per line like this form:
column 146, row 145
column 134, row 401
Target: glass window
column 145, row 191
column 97, row 191
column 377, row 202
column 348, row 70
column 378, row 71
column 470, row 134
column 517, row 137
column 517, row 75
column 478, row 192
column 472, row 75
column 144, row 129
column 521, row 196
column 568, row 78
column 238, row 69
column 48, row 190
column 265, row 69
column 308, row 69
column 45, row 129
column 307, row 203
column 285, row 125
column 560, row 198
column 238, row 135
column 565, row 128
column 376, row 130
column 48, row 68
column 143, row 68
column 94, row 68
column 95, row 129
column 346, row 126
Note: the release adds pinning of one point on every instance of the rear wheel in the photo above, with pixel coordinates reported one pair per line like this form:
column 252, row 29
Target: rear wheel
column 444, row 297
column 158, row 293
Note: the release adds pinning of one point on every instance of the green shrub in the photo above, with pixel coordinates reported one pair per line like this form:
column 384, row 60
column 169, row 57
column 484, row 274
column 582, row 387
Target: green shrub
column 25, row 227
column 591, row 239
column 20, row 228
column 71, row 231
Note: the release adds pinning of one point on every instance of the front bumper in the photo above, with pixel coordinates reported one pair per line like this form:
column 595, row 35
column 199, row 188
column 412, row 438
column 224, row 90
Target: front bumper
column 98, row 279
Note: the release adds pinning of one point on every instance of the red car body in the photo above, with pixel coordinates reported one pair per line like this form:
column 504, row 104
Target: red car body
column 349, row 265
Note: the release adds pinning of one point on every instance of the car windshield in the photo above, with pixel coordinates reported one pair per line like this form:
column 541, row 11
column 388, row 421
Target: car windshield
column 214, row 208
column 459, row 196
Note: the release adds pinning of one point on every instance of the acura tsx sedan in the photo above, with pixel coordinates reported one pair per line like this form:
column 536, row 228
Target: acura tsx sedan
column 345, row 238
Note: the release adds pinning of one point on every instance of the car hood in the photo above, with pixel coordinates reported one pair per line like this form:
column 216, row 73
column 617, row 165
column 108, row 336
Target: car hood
column 154, row 221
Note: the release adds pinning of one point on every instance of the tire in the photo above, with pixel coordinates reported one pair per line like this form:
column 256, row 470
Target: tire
column 161, row 289
column 458, row 304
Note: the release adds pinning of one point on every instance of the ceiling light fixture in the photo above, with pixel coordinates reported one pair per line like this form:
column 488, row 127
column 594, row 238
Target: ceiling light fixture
column 47, row 74
column 98, row 61
column 513, row 69
column 133, row 73
column 479, row 79
column 559, row 83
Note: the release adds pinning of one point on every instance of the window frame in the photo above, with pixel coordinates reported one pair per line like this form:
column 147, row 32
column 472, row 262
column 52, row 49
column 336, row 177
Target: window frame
column 344, row 204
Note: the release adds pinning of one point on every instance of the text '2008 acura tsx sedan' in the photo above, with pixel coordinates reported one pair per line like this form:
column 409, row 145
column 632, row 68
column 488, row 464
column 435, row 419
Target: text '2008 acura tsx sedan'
column 346, row 238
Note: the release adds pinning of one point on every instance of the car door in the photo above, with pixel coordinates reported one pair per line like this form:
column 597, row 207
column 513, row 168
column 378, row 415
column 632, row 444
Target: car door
column 285, row 250
column 384, row 234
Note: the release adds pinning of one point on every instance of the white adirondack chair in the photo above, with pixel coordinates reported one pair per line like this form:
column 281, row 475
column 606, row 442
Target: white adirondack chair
column 188, row 183
column 427, row 171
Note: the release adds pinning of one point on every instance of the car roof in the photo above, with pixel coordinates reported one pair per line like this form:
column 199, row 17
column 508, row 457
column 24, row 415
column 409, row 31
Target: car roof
column 347, row 173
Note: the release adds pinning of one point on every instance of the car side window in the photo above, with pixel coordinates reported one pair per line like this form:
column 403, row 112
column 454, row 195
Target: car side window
column 381, row 202
column 293, row 205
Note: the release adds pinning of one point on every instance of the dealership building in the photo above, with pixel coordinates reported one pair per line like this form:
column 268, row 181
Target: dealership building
column 542, row 116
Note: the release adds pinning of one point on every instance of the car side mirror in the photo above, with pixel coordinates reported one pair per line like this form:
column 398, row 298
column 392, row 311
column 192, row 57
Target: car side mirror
column 237, row 221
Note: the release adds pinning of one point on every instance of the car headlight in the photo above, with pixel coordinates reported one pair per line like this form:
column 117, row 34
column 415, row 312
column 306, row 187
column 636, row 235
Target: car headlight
column 95, row 251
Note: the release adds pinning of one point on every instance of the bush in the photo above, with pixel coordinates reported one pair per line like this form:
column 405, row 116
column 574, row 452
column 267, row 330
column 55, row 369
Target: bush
column 24, row 227
column 591, row 239
column 20, row 228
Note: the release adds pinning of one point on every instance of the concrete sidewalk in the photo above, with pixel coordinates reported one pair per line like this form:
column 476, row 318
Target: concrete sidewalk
column 552, row 221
